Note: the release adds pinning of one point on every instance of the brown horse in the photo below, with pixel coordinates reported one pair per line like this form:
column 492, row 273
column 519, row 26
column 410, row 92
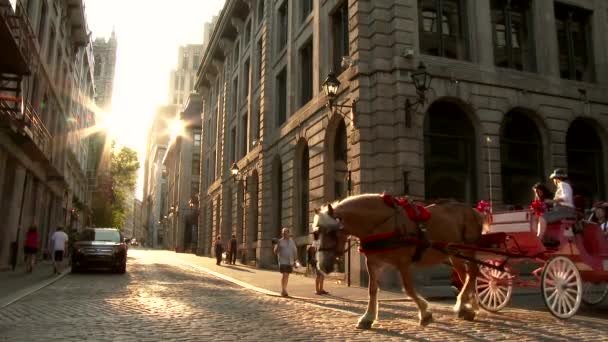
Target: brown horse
column 368, row 217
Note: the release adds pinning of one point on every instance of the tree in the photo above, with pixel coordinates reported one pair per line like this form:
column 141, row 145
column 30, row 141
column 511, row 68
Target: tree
column 123, row 170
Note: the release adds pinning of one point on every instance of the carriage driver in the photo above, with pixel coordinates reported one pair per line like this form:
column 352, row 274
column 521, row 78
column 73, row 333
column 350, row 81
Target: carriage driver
column 563, row 201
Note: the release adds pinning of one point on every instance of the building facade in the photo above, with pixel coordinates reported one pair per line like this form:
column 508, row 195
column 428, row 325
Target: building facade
column 182, row 79
column 155, row 177
column 98, row 173
column 45, row 73
column 518, row 89
column 182, row 163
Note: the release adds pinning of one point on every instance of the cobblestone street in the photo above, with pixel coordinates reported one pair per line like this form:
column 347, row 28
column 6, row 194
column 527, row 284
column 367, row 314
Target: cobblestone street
column 161, row 298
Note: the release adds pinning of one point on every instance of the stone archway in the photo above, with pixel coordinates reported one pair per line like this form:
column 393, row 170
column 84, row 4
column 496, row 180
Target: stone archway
column 450, row 165
column 521, row 157
column 585, row 160
column 302, row 185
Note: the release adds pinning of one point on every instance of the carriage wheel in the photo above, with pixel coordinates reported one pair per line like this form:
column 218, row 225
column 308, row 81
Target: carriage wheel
column 594, row 293
column 493, row 287
column 561, row 287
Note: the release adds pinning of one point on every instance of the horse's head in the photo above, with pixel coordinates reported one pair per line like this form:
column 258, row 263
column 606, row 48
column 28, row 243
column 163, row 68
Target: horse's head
column 332, row 238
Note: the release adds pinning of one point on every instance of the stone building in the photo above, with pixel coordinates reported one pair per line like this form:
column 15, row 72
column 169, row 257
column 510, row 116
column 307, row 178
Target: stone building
column 182, row 79
column 100, row 181
column 155, row 177
column 45, row 82
column 183, row 166
column 518, row 88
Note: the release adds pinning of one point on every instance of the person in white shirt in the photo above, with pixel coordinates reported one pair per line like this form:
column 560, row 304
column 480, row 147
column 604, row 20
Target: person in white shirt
column 287, row 255
column 320, row 277
column 563, row 201
column 59, row 242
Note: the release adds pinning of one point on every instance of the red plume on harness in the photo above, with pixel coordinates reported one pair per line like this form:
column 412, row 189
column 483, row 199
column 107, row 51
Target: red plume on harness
column 538, row 207
column 485, row 209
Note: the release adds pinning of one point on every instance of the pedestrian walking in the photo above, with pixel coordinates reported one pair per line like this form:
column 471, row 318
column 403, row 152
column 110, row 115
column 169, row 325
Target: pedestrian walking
column 233, row 250
column 31, row 248
column 59, row 242
column 287, row 255
column 219, row 249
column 320, row 279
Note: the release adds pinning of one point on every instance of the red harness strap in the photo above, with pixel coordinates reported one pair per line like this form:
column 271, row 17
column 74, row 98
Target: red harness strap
column 415, row 212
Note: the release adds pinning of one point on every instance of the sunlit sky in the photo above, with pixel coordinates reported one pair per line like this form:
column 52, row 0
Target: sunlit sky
column 149, row 33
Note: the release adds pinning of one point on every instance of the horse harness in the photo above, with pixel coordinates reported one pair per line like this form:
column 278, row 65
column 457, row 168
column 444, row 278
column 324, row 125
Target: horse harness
column 386, row 242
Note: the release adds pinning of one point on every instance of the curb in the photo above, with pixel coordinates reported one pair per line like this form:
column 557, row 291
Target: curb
column 4, row 302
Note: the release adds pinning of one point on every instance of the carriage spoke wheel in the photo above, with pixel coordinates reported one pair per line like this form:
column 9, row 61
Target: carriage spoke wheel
column 561, row 287
column 493, row 287
column 594, row 293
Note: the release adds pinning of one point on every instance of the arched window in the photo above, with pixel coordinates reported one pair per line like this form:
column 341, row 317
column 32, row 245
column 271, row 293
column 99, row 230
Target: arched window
column 252, row 224
column 521, row 156
column 585, row 160
column 449, row 153
column 240, row 212
column 302, row 188
column 277, row 195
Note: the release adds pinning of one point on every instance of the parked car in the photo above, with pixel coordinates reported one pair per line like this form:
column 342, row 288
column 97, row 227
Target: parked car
column 100, row 248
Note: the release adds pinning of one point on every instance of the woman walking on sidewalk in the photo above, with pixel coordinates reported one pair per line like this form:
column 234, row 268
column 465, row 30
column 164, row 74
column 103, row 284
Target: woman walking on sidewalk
column 31, row 248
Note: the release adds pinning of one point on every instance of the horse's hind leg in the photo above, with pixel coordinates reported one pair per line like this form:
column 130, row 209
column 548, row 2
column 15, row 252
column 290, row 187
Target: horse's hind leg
column 371, row 314
column 424, row 315
column 467, row 294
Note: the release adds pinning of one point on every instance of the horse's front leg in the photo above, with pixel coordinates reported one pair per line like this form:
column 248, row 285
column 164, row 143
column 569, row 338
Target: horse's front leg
column 424, row 315
column 371, row 314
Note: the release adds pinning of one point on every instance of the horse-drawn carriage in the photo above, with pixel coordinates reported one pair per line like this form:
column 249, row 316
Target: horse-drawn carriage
column 573, row 258
column 574, row 255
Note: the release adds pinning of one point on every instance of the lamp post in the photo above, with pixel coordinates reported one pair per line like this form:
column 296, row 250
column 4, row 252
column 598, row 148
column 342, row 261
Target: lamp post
column 331, row 86
column 422, row 82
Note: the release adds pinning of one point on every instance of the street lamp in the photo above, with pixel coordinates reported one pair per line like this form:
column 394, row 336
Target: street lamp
column 234, row 170
column 331, row 86
column 422, row 82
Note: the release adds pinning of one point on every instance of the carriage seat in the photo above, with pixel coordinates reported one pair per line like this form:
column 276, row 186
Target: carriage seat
column 510, row 222
column 594, row 241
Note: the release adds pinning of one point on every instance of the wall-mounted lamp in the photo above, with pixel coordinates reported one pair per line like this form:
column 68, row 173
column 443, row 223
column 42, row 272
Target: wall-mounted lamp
column 331, row 86
column 236, row 175
column 422, row 81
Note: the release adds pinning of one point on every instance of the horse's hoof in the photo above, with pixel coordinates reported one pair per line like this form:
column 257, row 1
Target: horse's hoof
column 366, row 325
column 467, row 315
column 426, row 320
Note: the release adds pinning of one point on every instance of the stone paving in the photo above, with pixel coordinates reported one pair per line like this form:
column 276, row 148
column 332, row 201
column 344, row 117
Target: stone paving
column 164, row 297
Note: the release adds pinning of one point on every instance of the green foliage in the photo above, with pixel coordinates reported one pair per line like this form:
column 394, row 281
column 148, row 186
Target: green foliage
column 123, row 169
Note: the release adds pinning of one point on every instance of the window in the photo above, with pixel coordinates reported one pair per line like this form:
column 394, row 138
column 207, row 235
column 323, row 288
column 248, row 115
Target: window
column 306, row 9
column 98, row 64
column 306, row 73
column 260, row 60
column 236, row 56
column 281, row 97
column 339, row 29
column 246, row 81
column 244, row 140
column 283, row 25
column 260, row 11
column 512, row 45
column 445, row 39
column 235, row 95
column 573, row 37
column 185, row 61
column 196, row 61
column 196, row 164
column 247, row 35
column 197, row 139
column 232, row 145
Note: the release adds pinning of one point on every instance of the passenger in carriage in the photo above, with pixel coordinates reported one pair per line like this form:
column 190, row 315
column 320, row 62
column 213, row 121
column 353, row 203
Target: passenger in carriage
column 599, row 216
column 542, row 198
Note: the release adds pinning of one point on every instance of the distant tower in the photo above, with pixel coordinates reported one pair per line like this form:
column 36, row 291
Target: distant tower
column 105, row 65
column 183, row 78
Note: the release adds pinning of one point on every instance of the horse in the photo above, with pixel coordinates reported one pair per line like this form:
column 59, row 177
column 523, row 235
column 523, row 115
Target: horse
column 376, row 224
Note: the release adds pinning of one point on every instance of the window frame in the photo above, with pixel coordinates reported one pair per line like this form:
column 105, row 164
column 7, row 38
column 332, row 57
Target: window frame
column 586, row 23
column 337, row 31
column 525, row 10
column 463, row 21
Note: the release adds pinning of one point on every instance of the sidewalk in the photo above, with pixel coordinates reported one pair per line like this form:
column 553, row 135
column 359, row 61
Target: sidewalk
column 300, row 286
column 18, row 284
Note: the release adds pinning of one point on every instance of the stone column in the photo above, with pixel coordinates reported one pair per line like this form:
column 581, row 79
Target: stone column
column 545, row 35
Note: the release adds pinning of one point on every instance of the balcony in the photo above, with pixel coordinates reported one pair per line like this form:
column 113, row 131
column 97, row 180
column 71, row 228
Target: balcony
column 27, row 128
column 78, row 22
column 16, row 39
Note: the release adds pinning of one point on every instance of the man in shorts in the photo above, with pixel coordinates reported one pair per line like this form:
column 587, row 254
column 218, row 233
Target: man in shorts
column 287, row 255
column 59, row 242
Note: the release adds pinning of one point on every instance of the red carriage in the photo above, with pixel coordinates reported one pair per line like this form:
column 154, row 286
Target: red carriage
column 573, row 258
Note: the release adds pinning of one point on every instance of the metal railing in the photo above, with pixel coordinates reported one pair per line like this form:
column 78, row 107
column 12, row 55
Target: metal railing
column 22, row 32
column 26, row 122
